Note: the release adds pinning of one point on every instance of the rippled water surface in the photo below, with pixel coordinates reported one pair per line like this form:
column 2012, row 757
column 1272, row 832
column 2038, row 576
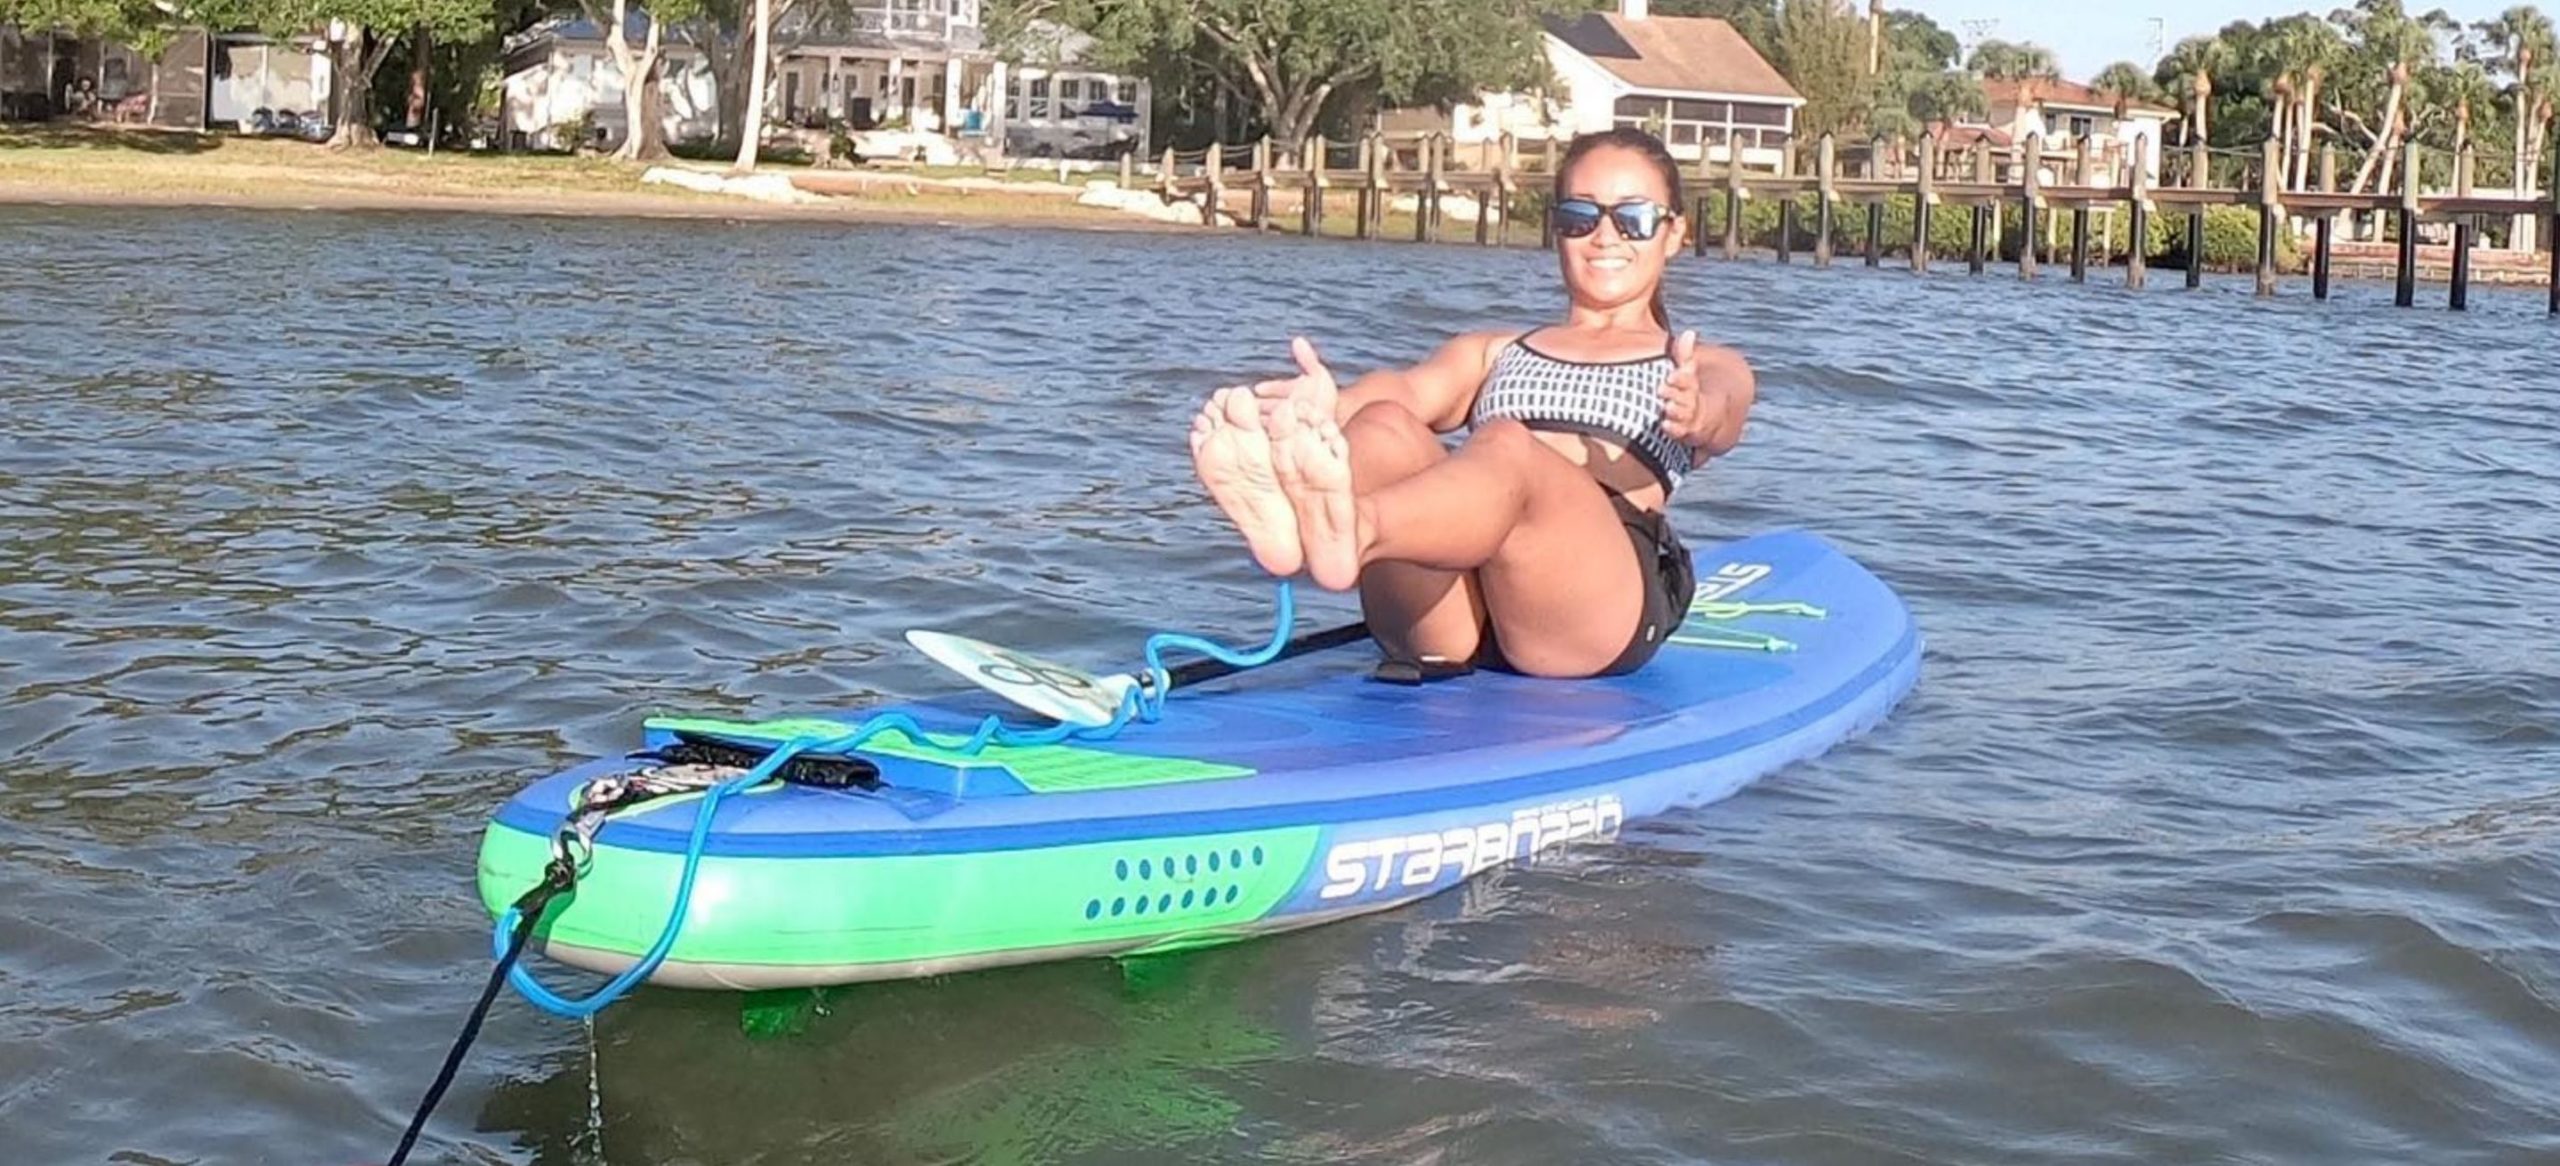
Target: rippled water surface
column 2223, row 826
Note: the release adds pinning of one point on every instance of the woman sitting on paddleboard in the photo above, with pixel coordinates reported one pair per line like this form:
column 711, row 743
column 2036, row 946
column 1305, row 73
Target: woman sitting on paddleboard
column 1513, row 550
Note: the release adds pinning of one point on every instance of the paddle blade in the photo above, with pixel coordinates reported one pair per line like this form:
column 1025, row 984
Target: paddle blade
column 1046, row 687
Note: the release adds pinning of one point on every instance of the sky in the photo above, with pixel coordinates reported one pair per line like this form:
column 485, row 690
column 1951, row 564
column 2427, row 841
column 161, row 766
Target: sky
column 2089, row 34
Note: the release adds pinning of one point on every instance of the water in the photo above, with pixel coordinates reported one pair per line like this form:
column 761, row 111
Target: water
column 2220, row 828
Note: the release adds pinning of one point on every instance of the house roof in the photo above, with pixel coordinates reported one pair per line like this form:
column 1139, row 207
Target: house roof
column 2062, row 94
column 1680, row 54
column 1961, row 134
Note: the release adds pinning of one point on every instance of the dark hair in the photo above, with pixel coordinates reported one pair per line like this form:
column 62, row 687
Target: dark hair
column 1628, row 138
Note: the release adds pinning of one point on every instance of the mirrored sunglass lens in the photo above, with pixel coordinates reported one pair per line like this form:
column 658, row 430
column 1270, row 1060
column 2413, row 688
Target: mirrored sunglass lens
column 1637, row 220
column 1577, row 217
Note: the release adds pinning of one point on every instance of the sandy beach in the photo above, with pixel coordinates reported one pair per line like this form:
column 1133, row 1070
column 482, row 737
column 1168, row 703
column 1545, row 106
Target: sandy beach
column 100, row 166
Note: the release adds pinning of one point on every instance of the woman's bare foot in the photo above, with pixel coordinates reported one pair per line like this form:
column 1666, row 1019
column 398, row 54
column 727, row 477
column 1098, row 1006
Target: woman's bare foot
column 1232, row 455
column 1313, row 464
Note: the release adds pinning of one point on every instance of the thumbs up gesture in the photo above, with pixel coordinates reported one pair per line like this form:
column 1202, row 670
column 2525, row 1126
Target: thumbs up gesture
column 1707, row 397
column 1313, row 387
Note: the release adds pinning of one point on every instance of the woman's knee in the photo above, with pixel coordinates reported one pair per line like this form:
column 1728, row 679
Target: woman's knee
column 1505, row 437
column 1388, row 443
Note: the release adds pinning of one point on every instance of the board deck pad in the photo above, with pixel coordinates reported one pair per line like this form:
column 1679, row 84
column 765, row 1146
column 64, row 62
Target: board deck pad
column 1278, row 797
column 1043, row 769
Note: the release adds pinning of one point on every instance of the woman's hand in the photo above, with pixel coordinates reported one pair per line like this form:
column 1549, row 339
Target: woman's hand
column 1313, row 387
column 1707, row 397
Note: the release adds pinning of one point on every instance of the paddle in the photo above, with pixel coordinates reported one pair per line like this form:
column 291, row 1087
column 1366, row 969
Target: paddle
column 1077, row 697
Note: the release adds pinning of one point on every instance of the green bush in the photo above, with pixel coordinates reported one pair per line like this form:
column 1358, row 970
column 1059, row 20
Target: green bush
column 2230, row 236
column 2231, row 242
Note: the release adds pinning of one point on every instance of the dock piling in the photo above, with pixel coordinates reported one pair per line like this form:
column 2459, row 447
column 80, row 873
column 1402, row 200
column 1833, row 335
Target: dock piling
column 1826, row 179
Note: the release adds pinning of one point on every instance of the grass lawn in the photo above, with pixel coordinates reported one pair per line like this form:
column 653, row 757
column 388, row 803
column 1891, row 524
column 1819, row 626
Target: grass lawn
column 96, row 163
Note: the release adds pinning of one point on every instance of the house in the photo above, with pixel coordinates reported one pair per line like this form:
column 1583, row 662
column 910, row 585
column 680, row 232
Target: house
column 561, row 81
column 45, row 74
column 252, row 72
column 2123, row 134
column 1692, row 80
column 914, row 64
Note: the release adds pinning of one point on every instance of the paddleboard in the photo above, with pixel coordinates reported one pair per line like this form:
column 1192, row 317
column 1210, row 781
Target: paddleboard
column 1278, row 798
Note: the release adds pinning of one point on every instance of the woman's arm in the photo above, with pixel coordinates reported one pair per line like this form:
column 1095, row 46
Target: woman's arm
column 1438, row 391
column 1707, row 397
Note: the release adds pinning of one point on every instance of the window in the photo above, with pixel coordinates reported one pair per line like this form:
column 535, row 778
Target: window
column 2081, row 124
column 1633, row 110
column 1128, row 92
column 1745, row 114
column 1702, row 124
column 1040, row 99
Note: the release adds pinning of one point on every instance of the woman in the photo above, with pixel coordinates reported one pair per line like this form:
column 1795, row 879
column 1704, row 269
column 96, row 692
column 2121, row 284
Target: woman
column 1539, row 544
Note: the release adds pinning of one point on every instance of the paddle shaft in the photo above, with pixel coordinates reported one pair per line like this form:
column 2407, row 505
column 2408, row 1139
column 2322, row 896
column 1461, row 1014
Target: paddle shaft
column 1199, row 670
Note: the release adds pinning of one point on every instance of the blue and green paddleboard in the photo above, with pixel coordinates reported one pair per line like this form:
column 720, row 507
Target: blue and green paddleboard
column 1282, row 797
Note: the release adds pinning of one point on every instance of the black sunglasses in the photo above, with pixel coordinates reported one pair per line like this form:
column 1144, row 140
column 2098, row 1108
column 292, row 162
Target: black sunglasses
column 1638, row 219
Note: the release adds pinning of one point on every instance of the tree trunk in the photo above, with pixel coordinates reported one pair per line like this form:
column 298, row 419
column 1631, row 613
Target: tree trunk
column 727, row 52
column 2305, row 118
column 729, row 85
column 2520, row 228
column 2379, row 160
column 642, row 138
column 1293, row 121
column 753, row 129
column 354, row 130
column 2284, row 134
column 420, row 42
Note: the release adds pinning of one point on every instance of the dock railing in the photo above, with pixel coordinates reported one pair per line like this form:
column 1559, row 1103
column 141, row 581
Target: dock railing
column 2039, row 202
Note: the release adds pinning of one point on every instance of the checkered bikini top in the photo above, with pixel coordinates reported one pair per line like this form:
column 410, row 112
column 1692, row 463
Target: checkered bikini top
column 1620, row 400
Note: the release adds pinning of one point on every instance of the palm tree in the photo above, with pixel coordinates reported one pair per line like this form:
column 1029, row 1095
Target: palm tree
column 2189, row 69
column 2384, row 38
column 2000, row 60
column 2126, row 83
column 2522, row 37
column 2301, row 50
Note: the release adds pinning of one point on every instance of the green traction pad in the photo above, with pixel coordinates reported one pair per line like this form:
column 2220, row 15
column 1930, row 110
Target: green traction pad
column 1044, row 769
column 1710, row 624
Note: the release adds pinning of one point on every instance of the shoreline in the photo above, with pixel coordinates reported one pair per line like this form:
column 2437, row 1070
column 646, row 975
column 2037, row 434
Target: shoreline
column 577, row 204
column 90, row 166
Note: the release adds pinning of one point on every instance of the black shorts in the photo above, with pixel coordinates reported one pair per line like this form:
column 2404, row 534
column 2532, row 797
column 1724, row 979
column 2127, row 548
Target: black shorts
column 1669, row 580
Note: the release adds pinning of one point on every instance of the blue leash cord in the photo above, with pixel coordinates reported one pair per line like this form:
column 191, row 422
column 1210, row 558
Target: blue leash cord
column 1143, row 703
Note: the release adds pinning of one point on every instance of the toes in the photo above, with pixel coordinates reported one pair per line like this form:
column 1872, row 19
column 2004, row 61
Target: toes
column 1240, row 407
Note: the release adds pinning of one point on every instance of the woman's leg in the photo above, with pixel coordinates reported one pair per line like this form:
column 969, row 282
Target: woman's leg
column 1552, row 563
column 1413, row 610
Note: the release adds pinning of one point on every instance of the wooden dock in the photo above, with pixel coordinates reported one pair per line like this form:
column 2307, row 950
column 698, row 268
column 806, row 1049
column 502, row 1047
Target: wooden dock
column 2030, row 187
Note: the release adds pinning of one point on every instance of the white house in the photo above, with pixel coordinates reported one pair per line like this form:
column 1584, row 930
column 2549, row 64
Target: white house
column 2061, row 113
column 561, row 71
column 1693, row 80
column 916, row 64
